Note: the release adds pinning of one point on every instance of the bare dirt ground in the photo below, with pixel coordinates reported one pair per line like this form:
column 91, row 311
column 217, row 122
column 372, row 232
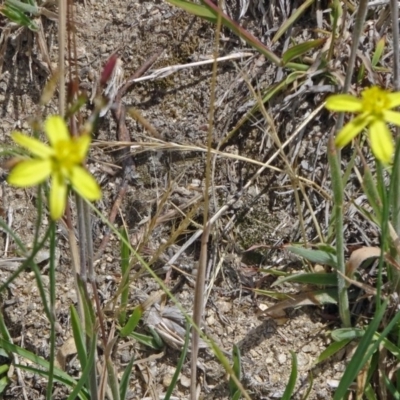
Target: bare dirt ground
column 178, row 108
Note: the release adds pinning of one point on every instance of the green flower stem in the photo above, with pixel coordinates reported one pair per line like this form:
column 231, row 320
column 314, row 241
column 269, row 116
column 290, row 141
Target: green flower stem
column 52, row 290
column 337, row 187
column 394, row 198
column 384, row 223
column 395, row 192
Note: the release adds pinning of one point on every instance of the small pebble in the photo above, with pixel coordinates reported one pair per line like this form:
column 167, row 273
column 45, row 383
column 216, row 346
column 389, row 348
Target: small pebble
column 282, row 358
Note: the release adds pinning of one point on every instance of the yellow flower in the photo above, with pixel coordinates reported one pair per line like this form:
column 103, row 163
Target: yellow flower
column 62, row 160
column 375, row 108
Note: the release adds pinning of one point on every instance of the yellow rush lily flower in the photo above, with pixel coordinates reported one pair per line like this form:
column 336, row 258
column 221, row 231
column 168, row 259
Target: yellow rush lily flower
column 375, row 108
column 62, row 160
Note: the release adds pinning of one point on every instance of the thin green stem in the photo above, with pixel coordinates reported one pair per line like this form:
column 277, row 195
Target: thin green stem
column 52, row 292
column 337, row 187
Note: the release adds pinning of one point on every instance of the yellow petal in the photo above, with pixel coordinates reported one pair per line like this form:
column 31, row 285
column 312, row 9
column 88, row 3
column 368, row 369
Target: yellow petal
column 343, row 102
column 82, row 144
column 394, row 99
column 36, row 147
column 381, row 141
column 84, row 184
column 56, row 129
column 351, row 130
column 58, row 196
column 29, row 173
column 392, row 117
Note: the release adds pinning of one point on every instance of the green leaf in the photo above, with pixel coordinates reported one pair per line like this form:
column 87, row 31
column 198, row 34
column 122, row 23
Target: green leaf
column 132, row 322
column 4, row 368
column 380, row 47
column 292, row 379
column 315, row 256
column 179, row 365
column 341, row 334
column 86, row 371
column 237, row 369
column 365, row 350
column 79, row 337
column 325, row 279
column 146, row 340
column 393, row 391
column 195, row 9
column 18, row 17
column 59, row 375
column 4, row 381
column 124, row 384
column 23, row 7
column 124, row 286
column 332, row 349
column 273, row 294
column 156, row 337
column 300, row 49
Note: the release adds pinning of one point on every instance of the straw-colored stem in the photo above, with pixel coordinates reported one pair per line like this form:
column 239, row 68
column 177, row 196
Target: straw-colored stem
column 201, row 271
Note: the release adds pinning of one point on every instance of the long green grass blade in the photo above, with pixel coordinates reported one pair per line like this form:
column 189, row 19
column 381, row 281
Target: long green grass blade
column 86, row 371
column 59, row 375
column 332, row 349
column 124, row 384
column 179, row 365
column 300, row 49
column 315, row 256
column 146, row 340
column 79, row 337
column 292, row 379
column 195, row 9
column 324, row 279
column 125, row 254
column 364, row 350
column 237, row 369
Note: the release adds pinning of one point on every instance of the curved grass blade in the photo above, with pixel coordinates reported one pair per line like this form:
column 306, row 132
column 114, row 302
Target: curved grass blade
column 292, row 379
column 195, row 9
column 315, row 256
column 125, row 254
column 179, row 365
column 237, row 369
column 79, row 337
column 393, row 391
column 300, row 49
column 331, row 350
column 59, row 375
column 147, row 340
column 365, row 350
column 124, row 384
column 314, row 278
column 291, row 20
column 380, row 46
column 86, row 371
column 132, row 322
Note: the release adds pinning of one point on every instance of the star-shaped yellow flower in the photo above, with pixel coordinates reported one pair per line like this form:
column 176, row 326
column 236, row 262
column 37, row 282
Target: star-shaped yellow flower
column 375, row 108
column 62, row 160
